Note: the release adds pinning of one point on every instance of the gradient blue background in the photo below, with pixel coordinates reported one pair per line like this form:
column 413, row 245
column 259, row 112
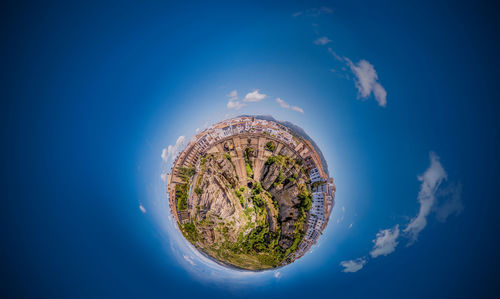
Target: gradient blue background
column 92, row 92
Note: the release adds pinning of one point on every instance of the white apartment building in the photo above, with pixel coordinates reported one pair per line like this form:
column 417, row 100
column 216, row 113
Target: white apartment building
column 314, row 175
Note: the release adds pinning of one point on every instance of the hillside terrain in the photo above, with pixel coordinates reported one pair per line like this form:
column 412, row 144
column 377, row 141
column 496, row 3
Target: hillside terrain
column 252, row 226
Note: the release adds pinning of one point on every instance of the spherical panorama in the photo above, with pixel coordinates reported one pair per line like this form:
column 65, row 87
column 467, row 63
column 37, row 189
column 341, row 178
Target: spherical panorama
column 251, row 192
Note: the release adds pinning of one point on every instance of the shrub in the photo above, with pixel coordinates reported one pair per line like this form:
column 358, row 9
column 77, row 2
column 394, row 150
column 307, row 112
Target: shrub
column 181, row 195
column 191, row 232
column 270, row 146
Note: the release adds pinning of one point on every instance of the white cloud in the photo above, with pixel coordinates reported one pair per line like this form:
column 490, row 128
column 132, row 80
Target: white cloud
column 385, row 242
column 380, row 94
column 254, row 96
column 277, row 275
column 172, row 150
column 233, row 102
column 430, row 191
column 322, row 41
column 233, row 95
column 163, row 177
column 367, row 81
column 453, row 205
column 282, row 103
column 142, row 208
column 235, row 105
column 431, row 180
column 164, row 154
column 189, row 260
column 335, row 55
column 353, row 265
column 350, row 226
column 324, row 10
column 287, row 106
column 313, row 12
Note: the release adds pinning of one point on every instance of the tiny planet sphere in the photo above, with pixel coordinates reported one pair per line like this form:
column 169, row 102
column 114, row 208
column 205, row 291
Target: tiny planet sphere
column 251, row 192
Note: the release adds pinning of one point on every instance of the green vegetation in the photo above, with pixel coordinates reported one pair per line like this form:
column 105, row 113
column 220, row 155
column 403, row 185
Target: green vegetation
column 296, row 242
column 279, row 159
column 249, row 170
column 270, row 146
column 281, row 177
column 240, row 196
column 197, row 189
column 181, row 195
column 305, row 198
column 248, row 164
column 289, row 180
column 190, row 232
column 182, row 190
column 257, row 250
column 186, row 173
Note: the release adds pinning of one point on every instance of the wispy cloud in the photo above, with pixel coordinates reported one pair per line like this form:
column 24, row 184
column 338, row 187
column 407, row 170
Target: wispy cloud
column 431, row 180
column 313, row 12
column 189, row 259
column 367, row 81
column 172, row 150
column 298, row 109
column 366, row 78
column 233, row 102
column 285, row 105
column 163, row 177
column 452, row 205
column 385, row 242
column 322, row 41
column 352, row 266
column 235, row 105
column 431, row 190
column 233, row 95
column 254, row 96
column 335, row 55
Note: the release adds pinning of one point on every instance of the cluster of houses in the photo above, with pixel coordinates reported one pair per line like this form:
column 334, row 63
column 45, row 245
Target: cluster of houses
column 322, row 205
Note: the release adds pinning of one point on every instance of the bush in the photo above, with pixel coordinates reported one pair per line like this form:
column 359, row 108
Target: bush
column 249, row 170
column 280, row 178
column 257, row 200
column 306, row 199
column 191, row 232
column 270, row 146
column 186, row 173
column 276, row 159
column 181, row 195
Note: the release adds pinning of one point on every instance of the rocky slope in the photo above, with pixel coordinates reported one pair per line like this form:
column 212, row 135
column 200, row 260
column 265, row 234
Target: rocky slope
column 253, row 226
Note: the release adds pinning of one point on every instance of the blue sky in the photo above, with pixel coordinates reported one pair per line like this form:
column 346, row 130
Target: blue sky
column 400, row 97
